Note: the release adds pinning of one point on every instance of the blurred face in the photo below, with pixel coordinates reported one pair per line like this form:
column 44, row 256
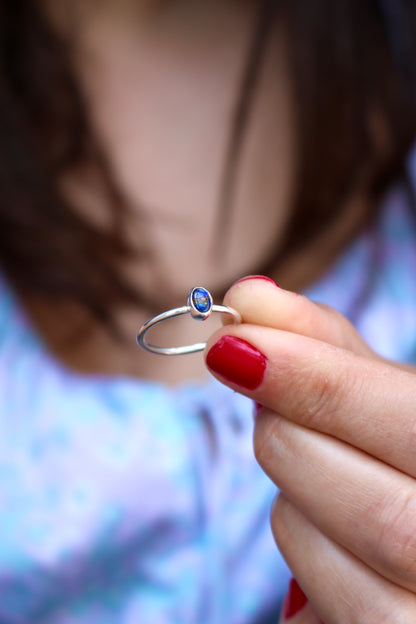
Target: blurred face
column 163, row 92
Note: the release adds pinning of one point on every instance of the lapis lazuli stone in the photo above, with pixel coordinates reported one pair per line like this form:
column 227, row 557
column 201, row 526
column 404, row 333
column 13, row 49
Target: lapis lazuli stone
column 201, row 300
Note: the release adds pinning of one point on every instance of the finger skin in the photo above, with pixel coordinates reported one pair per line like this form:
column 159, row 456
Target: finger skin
column 358, row 502
column 352, row 396
column 262, row 303
column 366, row 403
column 341, row 589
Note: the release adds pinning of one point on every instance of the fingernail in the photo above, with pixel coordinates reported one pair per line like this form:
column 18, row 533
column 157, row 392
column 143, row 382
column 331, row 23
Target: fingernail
column 295, row 600
column 261, row 277
column 237, row 361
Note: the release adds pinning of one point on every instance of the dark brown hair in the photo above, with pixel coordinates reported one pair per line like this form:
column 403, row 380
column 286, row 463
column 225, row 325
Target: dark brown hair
column 47, row 248
column 354, row 68
column 353, row 62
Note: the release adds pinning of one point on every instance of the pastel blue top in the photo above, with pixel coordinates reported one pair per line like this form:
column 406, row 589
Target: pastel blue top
column 124, row 502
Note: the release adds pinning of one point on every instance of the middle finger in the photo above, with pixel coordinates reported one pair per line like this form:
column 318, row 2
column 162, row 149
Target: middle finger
column 364, row 402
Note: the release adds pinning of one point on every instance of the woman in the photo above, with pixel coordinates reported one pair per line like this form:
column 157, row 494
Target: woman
column 149, row 147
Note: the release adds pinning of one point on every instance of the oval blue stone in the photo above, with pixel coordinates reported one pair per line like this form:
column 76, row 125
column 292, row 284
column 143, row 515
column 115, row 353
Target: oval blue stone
column 201, row 300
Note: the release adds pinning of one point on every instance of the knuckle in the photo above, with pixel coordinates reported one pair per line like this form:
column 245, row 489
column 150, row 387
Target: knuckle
column 266, row 433
column 277, row 518
column 325, row 392
column 261, row 444
column 396, row 546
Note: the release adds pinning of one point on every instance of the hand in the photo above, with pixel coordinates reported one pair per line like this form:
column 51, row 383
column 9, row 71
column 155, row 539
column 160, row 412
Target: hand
column 337, row 435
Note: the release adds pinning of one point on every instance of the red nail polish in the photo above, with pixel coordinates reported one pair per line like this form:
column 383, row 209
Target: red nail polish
column 295, row 600
column 262, row 277
column 257, row 408
column 237, row 361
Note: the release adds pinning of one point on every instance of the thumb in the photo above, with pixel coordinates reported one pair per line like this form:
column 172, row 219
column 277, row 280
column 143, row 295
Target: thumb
column 261, row 302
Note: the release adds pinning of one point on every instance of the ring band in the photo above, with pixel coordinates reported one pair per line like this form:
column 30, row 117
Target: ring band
column 200, row 306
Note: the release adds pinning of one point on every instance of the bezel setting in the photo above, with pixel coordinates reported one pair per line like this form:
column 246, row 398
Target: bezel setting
column 200, row 303
column 200, row 306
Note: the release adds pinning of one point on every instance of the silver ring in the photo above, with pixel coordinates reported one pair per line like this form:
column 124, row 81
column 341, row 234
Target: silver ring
column 200, row 306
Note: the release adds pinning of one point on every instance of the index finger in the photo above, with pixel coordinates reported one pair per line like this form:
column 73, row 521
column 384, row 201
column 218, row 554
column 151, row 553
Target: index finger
column 364, row 402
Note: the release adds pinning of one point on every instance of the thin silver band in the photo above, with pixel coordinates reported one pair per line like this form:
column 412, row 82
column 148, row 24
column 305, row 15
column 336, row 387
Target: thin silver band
column 188, row 309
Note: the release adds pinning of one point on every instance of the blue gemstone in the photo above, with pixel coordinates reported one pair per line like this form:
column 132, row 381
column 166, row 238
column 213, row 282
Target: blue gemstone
column 201, row 300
